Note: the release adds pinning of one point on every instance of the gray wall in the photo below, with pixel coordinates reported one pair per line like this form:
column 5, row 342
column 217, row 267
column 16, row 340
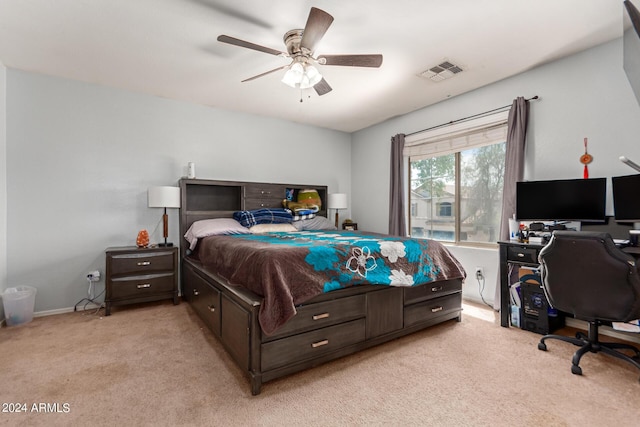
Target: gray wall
column 76, row 160
column 80, row 158
column 585, row 95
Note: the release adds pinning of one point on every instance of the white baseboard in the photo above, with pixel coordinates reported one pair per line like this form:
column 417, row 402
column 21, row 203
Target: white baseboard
column 604, row 330
column 44, row 313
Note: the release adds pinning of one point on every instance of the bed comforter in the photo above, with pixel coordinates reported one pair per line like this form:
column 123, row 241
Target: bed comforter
column 287, row 269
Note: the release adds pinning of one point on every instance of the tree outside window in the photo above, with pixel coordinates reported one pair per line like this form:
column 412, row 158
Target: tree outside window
column 458, row 197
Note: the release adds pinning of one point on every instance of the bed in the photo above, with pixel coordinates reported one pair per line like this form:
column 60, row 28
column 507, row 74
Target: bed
column 283, row 296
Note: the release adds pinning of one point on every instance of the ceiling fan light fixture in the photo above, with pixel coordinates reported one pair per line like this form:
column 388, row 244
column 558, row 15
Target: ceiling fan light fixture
column 301, row 76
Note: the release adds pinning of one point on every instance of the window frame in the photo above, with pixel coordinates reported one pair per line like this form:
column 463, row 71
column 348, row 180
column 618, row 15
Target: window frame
column 453, row 138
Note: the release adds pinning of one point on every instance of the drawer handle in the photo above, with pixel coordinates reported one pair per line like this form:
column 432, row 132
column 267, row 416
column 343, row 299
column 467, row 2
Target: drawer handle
column 319, row 343
column 320, row 316
column 144, row 285
column 521, row 255
column 211, row 308
column 436, row 309
column 143, row 263
column 265, row 192
column 195, row 292
column 436, row 289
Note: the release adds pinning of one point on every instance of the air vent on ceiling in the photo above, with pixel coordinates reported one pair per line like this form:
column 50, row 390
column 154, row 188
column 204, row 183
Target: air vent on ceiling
column 441, row 71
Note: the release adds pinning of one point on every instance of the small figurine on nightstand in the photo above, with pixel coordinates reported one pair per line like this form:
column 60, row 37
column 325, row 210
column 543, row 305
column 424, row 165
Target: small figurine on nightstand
column 349, row 225
column 142, row 241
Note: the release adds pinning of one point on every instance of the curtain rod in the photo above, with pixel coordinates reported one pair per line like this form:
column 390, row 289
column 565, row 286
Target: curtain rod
column 467, row 118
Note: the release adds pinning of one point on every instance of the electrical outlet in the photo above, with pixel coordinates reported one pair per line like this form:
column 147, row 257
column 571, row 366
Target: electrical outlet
column 94, row 276
column 479, row 273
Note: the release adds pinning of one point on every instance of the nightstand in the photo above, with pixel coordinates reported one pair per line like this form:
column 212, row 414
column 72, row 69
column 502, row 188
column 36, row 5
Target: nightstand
column 353, row 226
column 136, row 275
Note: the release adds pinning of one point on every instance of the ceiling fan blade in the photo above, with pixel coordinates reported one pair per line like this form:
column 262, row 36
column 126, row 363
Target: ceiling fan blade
column 351, row 60
column 322, row 87
column 318, row 23
column 265, row 73
column 237, row 42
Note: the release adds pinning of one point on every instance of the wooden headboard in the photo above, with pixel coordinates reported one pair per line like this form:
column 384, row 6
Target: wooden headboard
column 206, row 199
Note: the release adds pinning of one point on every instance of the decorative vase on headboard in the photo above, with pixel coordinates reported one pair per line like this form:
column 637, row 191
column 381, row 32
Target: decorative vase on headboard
column 143, row 239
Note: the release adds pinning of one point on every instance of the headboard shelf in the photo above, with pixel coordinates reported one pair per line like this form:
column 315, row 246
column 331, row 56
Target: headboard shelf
column 205, row 199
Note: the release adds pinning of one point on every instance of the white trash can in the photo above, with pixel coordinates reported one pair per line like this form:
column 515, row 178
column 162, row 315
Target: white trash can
column 18, row 304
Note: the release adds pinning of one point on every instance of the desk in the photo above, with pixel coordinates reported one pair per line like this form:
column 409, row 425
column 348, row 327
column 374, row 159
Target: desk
column 516, row 254
column 524, row 254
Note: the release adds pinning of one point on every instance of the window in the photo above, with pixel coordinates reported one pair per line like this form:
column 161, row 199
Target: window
column 445, row 209
column 456, row 181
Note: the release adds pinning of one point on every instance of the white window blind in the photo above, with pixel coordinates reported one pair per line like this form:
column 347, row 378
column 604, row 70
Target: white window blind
column 486, row 130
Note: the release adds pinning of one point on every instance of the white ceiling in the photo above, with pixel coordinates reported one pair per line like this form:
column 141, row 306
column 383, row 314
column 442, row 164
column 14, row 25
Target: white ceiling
column 168, row 48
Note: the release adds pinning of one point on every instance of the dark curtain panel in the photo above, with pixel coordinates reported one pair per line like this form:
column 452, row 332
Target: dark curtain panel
column 514, row 169
column 397, row 224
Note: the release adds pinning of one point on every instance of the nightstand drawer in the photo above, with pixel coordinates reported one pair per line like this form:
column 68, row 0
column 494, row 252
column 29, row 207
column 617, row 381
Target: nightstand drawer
column 141, row 263
column 141, row 286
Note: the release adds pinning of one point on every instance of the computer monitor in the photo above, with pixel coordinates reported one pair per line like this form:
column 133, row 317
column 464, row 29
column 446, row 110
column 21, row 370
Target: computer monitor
column 626, row 198
column 562, row 200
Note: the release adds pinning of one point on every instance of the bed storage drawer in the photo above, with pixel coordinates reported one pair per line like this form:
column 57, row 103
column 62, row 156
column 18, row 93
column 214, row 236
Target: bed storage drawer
column 320, row 315
column 311, row 344
column 431, row 290
column 204, row 298
column 432, row 308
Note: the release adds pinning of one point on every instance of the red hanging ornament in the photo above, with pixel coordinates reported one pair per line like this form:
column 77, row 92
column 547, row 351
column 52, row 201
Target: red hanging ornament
column 585, row 159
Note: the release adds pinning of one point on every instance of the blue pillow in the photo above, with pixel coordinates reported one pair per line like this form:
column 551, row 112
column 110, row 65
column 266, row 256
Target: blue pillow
column 263, row 216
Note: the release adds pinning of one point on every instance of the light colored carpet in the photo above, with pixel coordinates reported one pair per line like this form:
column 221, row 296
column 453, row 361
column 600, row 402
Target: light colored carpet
column 156, row 364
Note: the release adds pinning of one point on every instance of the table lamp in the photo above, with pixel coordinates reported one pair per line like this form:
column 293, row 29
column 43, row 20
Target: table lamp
column 337, row 201
column 164, row 197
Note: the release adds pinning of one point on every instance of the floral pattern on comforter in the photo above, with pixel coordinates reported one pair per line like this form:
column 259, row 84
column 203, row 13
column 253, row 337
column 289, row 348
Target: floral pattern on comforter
column 289, row 268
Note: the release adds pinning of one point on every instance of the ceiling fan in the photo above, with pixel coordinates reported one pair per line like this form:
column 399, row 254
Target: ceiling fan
column 300, row 45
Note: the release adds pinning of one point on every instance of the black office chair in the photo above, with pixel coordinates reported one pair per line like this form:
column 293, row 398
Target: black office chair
column 586, row 275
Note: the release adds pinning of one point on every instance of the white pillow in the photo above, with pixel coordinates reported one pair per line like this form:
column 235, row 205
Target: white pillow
column 210, row 227
column 272, row 228
column 317, row 223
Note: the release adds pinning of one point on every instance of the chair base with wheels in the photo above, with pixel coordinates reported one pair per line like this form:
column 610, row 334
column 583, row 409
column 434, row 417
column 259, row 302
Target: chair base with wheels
column 591, row 343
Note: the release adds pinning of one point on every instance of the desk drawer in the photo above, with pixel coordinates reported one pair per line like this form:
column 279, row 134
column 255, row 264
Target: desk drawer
column 319, row 315
column 141, row 286
column 523, row 254
column 311, row 344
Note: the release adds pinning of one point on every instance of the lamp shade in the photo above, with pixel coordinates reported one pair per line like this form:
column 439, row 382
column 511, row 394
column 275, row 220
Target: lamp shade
column 337, row 201
column 164, row 197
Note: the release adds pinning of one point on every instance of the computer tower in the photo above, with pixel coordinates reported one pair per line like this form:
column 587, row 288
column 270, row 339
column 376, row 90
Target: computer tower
column 537, row 316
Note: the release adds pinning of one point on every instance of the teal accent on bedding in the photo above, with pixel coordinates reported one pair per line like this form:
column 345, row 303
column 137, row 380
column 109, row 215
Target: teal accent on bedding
column 289, row 268
column 351, row 258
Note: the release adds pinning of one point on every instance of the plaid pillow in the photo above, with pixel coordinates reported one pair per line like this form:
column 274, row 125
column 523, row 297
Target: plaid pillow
column 263, row 216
